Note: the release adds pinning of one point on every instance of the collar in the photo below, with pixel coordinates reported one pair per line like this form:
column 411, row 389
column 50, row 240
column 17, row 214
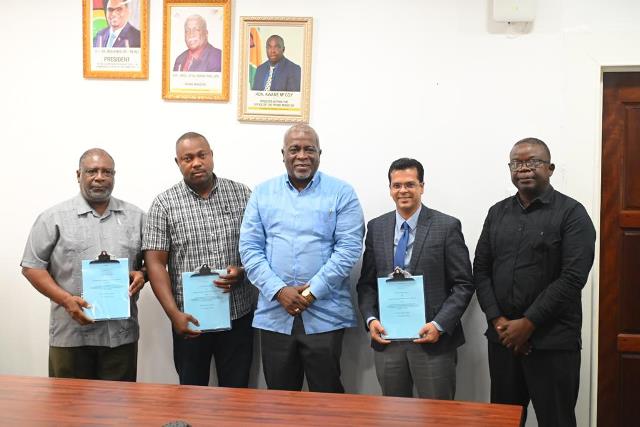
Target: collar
column 545, row 198
column 118, row 31
column 412, row 221
column 315, row 181
column 82, row 206
column 197, row 54
column 276, row 64
column 214, row 189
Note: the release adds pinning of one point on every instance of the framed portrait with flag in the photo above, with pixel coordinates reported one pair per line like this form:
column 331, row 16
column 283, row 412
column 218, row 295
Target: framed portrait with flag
column 115, row 39
column 275, row 69
column 196, row 50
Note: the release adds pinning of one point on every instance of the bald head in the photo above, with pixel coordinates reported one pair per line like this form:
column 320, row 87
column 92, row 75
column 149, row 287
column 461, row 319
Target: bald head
column 302, row 128
column 95, row 151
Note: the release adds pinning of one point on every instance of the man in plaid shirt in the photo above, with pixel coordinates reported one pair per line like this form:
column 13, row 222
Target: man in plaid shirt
column 195, row 222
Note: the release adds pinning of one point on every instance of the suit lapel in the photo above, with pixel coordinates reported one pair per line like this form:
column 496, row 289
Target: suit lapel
column 422, row 230
column 388, row 234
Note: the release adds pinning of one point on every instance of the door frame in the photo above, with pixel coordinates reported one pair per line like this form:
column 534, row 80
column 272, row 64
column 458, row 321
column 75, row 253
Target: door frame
column 589, row 56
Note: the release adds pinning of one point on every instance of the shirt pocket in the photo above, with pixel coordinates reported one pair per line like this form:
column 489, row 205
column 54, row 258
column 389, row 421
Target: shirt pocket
column 129, row 245
column 325, row 222
column 545, row 241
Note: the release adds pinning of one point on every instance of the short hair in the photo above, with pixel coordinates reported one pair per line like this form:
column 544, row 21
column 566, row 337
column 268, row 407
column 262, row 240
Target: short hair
column 304, row 128
column 275, row 37
column 406, row 163
column 92, row 151
column 198, row 18
column 190, row 135
column 535, row 141
column 125, row 3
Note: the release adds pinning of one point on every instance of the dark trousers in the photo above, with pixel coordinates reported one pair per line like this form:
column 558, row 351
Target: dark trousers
column 94, row 362
column 550, row 378
column 233, row 352
column 286, row 359
column 401, row 364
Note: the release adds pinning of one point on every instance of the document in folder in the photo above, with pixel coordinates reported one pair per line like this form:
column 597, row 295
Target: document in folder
column 105, row 286
column 204, row 301
column 402, row 307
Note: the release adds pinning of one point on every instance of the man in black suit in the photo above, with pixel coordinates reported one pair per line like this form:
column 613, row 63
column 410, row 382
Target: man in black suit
column 436, row 250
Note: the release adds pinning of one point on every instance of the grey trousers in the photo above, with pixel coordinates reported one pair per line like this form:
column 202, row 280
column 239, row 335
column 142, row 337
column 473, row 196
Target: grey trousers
column 402, row 364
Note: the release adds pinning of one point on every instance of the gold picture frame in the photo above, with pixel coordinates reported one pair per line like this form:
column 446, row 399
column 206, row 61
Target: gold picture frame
column 115, row 39
column 276, row 88
column 196, row 49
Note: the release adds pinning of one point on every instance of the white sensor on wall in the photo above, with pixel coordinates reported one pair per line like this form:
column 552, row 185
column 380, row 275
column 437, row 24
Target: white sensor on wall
column 514, row 10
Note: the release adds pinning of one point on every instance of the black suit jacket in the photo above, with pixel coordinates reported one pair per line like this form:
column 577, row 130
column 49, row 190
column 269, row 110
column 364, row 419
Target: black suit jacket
column 439, row 254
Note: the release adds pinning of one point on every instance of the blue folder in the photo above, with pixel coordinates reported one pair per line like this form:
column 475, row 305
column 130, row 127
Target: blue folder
column 105, row 285
column 206, row 302
column 401, row 302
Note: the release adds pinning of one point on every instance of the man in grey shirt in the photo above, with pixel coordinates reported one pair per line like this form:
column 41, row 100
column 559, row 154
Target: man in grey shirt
column 64, row 235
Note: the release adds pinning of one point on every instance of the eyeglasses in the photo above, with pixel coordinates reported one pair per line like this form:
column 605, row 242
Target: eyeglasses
column 397, row 186
column 514, row 165
column 309, row 150
column 108, row 173
column 118, row 10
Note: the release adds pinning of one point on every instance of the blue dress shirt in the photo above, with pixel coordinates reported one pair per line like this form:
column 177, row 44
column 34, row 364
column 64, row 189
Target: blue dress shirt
column 291, row 237
column 412, row 222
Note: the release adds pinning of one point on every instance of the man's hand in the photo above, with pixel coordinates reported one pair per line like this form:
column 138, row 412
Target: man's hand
column 234, row 276
column 180, row 323
column 74, row 304
column 376, row 330
column 136, row 282
column 516, row 333
column 289, row 297
column 498, row 325
column 429, row 334
column 523, row 350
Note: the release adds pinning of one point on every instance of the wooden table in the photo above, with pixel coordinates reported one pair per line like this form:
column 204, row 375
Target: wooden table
column 67, row 402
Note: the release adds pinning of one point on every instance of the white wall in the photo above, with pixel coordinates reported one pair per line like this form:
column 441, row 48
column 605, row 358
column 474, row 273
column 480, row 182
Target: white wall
column 434, row 80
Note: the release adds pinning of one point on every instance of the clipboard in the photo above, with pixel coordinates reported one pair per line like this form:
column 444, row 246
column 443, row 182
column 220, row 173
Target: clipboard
column 105, row 286
column 204, row 301
column 401, row 303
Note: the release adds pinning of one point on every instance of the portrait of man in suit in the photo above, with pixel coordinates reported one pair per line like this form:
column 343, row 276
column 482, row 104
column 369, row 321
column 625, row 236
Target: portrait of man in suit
column 200, row 55
column 119, row 32
column 277, row 73
column 423, row 242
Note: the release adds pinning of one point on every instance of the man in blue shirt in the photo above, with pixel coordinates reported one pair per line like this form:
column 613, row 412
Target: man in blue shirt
column 300, row 237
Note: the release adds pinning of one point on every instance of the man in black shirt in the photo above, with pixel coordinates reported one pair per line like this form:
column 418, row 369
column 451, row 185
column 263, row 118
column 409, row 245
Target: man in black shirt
column 532, row 261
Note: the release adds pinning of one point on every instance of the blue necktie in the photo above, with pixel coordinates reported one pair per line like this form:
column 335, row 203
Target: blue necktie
column 112, row 39
column 401, row 249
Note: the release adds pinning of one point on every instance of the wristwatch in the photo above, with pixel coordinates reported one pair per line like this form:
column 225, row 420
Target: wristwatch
column 308, row 296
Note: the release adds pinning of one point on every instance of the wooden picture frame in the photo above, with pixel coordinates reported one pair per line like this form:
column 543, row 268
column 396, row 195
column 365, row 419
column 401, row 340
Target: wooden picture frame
column 196, row 50
column 115, row 36
column 276, row 88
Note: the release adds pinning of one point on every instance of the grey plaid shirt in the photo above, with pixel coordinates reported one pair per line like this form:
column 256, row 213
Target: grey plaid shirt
column 196, row 231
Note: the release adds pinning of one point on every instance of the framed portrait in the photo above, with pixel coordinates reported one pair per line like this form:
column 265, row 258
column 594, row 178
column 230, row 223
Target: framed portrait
column 196, row 50
column 115, row 39
column 275, row 69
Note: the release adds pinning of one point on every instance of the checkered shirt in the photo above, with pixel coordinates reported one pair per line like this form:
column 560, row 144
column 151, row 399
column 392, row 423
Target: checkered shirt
column 196, row 231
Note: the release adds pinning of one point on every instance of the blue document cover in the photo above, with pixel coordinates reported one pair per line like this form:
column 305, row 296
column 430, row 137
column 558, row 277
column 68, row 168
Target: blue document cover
column 207, row 303
column 401, row 303
column 105, row 285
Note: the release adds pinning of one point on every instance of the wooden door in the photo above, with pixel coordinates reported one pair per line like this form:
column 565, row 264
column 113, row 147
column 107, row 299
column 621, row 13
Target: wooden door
column 619, row 331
